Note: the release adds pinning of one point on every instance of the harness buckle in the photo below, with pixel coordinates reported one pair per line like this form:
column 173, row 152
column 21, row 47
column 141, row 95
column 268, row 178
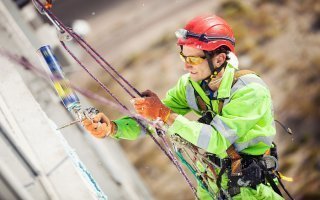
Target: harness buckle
column 270, row 162
column 207, row 117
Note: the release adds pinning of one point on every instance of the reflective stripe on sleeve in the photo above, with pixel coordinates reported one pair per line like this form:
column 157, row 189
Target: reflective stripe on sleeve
column 205, row 136
column 224, row 129
column 191, row 99
column 265, row 139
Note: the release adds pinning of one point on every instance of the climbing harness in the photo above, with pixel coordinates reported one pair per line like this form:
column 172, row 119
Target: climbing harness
column 66, row 34
column 242, row 170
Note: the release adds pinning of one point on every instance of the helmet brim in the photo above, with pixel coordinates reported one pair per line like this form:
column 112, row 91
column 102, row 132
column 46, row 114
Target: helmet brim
column 207, row 46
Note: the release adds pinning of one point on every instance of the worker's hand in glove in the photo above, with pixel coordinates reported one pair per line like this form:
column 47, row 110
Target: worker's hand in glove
column 100, row 126
column 150, row 106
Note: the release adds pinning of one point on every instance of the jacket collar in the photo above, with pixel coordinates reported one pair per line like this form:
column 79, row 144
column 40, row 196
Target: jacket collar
column 224, row 89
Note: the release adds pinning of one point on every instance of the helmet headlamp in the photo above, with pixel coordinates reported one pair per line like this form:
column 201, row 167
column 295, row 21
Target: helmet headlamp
column 184, row 34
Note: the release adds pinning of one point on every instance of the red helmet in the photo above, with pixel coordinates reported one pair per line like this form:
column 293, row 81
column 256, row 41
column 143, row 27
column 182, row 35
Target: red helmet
column 206, row 32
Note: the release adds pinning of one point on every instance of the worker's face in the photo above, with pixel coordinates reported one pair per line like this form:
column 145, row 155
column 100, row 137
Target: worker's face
column 201, row 71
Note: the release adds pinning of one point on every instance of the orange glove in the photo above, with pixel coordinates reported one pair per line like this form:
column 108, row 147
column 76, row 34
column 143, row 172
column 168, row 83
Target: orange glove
column 151, row 106
column 100, row 126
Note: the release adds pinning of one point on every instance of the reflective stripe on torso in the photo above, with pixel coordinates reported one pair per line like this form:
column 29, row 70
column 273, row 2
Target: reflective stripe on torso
column 218, row 124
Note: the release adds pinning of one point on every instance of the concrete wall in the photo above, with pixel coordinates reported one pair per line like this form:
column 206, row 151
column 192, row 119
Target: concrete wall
column 26, row 104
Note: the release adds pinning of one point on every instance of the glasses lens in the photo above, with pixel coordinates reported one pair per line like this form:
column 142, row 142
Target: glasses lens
column 192, row 60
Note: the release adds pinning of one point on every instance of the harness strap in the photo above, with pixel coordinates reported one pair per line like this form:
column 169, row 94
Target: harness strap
column 269, row 179
column 220, row 106
column 222, row 171
column 240, row 73
column 231, row 151
column 201, row 103
column 235, row 161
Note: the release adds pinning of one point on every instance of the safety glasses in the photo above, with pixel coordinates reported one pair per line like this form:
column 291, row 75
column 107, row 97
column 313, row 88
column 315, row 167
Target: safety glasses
column 192, row 60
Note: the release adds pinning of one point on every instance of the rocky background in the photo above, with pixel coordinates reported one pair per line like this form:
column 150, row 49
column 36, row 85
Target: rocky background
column 278, row 39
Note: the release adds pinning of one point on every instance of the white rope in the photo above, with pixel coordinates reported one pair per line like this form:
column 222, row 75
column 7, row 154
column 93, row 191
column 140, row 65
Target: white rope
column 81, row 168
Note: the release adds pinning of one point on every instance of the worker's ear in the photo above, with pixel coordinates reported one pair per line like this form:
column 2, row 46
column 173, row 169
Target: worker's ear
column 219, row 59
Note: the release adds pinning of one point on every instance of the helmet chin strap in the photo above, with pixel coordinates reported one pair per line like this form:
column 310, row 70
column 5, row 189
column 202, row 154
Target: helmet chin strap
column 214, row 71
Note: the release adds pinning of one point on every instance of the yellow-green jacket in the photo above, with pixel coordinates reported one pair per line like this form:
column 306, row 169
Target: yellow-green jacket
column 246, row 121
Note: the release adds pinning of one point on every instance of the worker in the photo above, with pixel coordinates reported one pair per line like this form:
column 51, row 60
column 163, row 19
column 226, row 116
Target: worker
column 236, row 125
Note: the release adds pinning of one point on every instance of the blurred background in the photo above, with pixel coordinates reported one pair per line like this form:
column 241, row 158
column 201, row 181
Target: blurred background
column 278, row 39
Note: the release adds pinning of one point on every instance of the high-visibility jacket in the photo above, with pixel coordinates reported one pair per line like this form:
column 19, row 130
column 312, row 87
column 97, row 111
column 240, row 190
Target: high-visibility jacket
column 246, row 120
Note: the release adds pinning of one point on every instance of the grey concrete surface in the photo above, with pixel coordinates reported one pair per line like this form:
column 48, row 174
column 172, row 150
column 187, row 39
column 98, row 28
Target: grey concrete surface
column 31, row 101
